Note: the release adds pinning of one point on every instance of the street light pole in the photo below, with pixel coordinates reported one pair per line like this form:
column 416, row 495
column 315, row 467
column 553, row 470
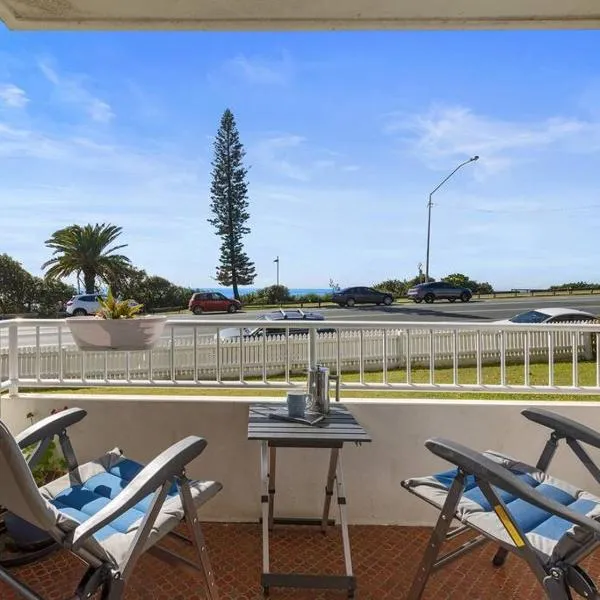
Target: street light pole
column 430, row 204
column 277, row 261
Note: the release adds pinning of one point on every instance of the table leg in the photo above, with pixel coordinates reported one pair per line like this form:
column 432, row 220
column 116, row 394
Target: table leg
column 264, row 472
column 341, row 498
column 333, row 462
column 272, row 469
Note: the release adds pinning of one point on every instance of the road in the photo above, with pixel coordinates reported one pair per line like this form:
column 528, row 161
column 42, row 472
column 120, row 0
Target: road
column 475, row 311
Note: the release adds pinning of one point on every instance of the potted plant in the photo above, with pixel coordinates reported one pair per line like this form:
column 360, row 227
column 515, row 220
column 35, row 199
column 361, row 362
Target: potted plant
column 117, row 326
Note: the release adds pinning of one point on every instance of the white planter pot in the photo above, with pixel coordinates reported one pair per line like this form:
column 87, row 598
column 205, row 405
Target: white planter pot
column 92, row 333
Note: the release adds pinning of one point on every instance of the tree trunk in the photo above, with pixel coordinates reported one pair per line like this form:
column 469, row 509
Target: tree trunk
column 89, row 280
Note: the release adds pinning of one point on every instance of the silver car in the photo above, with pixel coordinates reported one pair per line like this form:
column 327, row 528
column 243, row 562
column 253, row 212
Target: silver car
column 553, row 314
column 295, row 315
column 439, row 290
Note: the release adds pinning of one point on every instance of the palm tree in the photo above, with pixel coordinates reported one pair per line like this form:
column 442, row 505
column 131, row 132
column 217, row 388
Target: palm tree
column 87, row 250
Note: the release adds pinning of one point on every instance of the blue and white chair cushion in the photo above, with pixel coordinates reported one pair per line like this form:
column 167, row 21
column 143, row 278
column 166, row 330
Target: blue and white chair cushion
column 76, row 497
column 551, row 536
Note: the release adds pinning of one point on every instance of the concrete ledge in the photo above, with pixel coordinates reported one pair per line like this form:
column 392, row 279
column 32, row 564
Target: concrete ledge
column 144, row 425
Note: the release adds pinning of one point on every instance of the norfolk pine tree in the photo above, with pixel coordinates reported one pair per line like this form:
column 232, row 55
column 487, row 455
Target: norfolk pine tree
column 229, row 205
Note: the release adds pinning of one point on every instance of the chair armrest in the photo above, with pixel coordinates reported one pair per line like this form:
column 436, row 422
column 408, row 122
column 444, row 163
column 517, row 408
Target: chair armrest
column 167, row 465
column 482, row 467
column 564, row 427
column 49, row 427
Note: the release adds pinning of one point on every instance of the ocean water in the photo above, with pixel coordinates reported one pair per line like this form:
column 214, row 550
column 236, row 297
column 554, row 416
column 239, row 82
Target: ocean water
column 293, row 291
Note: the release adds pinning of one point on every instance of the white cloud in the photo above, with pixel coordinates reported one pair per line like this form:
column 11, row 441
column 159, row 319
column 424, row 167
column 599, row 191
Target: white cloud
column 145, row 164
column 293, row 157
column 13, row 96
column 273, row 153
column 457, row 132
column 71, row 90
column 261, row 70
column 147, row 187
column 100, row 111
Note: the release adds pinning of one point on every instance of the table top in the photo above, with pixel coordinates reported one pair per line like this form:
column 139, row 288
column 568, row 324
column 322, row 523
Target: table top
column 339, row 426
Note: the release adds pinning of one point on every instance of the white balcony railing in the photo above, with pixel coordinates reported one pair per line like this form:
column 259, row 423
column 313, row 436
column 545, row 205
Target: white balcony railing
column 375, row 355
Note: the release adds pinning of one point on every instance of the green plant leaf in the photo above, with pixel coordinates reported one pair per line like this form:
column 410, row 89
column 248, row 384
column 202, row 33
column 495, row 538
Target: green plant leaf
column 111, row 308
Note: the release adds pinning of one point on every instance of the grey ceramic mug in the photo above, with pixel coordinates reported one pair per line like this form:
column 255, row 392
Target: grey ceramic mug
column 296, row 404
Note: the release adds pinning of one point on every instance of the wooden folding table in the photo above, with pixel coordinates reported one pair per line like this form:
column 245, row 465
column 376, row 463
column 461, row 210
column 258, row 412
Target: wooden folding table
column 333, row 432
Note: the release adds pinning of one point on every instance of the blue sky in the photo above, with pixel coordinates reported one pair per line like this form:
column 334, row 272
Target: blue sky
column 346, row 135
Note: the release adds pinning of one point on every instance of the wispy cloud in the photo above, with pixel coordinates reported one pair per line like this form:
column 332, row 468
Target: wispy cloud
column 71, row 89
column 127, row 183
column 294, row 157
column 457, row 132
column 273, row 153
column 262, row 70
column 145, row 164
column 13, row 96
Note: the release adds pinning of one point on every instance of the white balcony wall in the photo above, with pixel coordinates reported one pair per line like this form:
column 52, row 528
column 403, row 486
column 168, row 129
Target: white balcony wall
column 144, row 426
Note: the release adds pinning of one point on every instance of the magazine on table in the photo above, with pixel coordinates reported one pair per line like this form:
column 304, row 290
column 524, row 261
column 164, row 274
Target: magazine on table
column 309, row 418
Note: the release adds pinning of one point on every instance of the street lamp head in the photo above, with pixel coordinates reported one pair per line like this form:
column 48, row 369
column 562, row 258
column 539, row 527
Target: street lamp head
column 475, row 158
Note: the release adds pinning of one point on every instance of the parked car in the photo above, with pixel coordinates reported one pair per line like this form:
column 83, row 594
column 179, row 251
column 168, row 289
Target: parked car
column 232, row 333
column 438, row 290
column 362, row 295
column 201, row 302
column 82, row 305
column 551, row 315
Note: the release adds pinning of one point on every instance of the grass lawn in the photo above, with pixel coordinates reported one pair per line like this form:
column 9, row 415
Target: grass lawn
column 466, row 375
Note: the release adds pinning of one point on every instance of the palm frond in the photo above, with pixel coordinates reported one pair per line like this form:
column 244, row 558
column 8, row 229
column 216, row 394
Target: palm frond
column 87, row 249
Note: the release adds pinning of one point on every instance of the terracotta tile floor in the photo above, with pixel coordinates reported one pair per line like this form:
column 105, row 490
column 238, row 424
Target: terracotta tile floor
column 385, row 559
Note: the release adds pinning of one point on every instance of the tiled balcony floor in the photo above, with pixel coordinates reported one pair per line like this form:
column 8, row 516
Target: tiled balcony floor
column 385, row 559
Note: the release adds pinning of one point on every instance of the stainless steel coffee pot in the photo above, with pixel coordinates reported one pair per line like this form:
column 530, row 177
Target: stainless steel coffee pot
column 318, row 388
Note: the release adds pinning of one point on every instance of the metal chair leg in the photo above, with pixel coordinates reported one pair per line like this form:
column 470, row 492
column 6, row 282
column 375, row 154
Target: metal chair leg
column 556, row 587
column 437, row 538
column 114, row 589
column 198, row 537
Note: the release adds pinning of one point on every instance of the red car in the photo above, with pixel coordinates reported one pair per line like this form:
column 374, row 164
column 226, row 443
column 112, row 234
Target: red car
column 212, row 302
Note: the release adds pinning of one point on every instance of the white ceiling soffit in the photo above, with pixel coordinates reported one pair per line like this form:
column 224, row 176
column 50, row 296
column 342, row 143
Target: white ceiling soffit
column 300, row 14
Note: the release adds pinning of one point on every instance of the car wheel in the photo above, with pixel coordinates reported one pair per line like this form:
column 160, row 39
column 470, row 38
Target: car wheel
column 388, row 300
column 197, row 310
column 429, row 298
column 465, row 297
column 79, row 312
column 232, row 308
column 451, row 299
column 418, row 300
column 350, row 302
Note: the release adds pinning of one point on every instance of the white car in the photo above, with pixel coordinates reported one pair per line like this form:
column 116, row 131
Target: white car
column 551, row 315
column 295, row 315
column 83, row 305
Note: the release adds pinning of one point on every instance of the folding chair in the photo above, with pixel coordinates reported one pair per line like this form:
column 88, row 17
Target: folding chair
column 550, row 524
column 108, row 511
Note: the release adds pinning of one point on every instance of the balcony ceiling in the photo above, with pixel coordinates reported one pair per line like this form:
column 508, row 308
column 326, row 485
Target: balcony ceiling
column 299, row 14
